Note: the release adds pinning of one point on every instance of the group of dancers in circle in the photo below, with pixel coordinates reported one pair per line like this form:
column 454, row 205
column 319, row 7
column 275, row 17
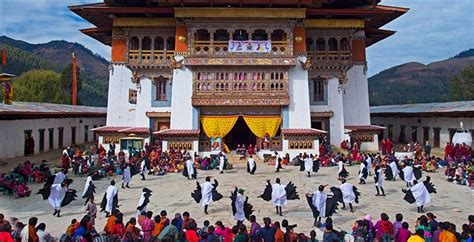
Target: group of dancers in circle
column 321, row 203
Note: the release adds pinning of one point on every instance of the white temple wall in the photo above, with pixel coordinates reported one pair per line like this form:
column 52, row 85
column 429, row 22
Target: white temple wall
column 299, row 109
column 432, row 122
column 14, row 130
column 356, row 97
column 296, row 152
column 335, row 104
column 182, row 111
column 144, row 104
column 119, row 111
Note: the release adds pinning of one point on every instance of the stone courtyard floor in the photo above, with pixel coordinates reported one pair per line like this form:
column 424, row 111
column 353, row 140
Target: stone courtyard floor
column 172, row 192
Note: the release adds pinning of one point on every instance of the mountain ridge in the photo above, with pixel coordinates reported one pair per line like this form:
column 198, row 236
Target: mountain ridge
column 415, row 82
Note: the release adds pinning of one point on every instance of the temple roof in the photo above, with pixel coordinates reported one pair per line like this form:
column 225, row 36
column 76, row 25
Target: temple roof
column 376, row 16
column 447, row 109
column 32, row 110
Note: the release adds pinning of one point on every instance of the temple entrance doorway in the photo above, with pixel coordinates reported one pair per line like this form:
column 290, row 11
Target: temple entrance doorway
column 240, row 134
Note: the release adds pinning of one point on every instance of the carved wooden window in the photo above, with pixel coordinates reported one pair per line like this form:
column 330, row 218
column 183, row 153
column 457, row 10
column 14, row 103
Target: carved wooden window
column 170, row 43
column 202, row 35
column 134, row 43
column 159, row 43
column 332, row 44
column 320, row 44
column 132, row 96
column 318, row 89
column 221, row 35
column 160, row 85
column 278, row 35
column 146, row 43
column 344, row 44
column 309, row 45
column 259, row 34
column 240, row 34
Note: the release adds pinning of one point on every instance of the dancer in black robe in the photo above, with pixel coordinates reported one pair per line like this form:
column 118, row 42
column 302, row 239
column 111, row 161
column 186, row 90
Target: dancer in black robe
column 419, row 193
column 322, row 204
column 206, row 193
column 279, row 194
column 241, row 208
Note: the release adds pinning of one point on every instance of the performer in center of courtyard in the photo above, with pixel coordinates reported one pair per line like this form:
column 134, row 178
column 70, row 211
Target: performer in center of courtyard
column 349, row 194
column 363, row 172
column 89, row 189
column 251, row 165
column 110, row 200
column 241, row 209
column 189, row 170
column 341, row 172
column 322, row 204
column 379, row 180
column 419, row 193
column 206, row 193
column 144, row 200
column 221, row 162
column 127, row 176
column 279, row 194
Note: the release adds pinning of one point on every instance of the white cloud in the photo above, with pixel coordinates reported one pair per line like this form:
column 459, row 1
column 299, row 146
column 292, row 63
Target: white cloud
column 40, row 21
column 432, row 30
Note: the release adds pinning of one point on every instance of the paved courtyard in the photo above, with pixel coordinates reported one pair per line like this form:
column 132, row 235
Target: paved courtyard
column 172, row 192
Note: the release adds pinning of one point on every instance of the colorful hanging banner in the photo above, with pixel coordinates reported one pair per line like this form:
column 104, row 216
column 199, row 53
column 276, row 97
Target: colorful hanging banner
column 262, row 126
column 259, row 46
column 218, row 126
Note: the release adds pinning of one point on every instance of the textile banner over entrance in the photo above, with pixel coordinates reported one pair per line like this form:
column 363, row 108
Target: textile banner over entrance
column 260, row 46
column 218, row 126
column 263, row 125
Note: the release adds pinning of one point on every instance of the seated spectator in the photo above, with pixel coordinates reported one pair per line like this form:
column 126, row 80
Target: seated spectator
column 22, row 190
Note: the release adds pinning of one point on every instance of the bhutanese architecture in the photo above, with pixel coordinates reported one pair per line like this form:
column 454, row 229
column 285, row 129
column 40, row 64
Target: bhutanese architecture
column 205, row 74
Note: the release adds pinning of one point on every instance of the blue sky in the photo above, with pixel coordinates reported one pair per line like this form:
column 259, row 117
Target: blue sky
column 432, row 30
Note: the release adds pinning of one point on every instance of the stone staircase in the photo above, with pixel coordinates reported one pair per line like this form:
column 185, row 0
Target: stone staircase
column 234, row 158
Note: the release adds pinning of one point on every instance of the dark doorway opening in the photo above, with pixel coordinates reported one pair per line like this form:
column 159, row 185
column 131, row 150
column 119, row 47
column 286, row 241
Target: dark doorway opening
column 240, row 134
column 29, row 143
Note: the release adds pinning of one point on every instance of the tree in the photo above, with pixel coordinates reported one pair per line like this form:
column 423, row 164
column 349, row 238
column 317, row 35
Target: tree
column 66, row 82
column 38, row 86
column 462, row 87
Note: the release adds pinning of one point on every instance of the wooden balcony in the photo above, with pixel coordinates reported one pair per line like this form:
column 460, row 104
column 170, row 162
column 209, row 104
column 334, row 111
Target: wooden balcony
column 240, row 93
column 150, row 58
column 220, row 48
column 330, row 59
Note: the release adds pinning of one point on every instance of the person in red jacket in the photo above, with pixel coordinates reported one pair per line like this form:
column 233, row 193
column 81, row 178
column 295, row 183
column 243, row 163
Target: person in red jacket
column 5, row 235
column 384, row 228
column 191, row 234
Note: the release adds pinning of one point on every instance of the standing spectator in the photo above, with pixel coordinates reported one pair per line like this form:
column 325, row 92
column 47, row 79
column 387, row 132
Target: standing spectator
column 418, row 237
column 432, row 221
column 28, row 233
column 267, row 233
column 279, row 235
column 191, row 234
column 403, row 234
column 446, row 235
column 242, row 236
column 384, row 228
column 397, row 225
column 330, row 235
column 42, row 234
column 5, row 235
column 254, row 227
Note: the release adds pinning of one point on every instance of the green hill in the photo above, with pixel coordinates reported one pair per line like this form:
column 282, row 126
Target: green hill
column 54, row 56
column 415, row 82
